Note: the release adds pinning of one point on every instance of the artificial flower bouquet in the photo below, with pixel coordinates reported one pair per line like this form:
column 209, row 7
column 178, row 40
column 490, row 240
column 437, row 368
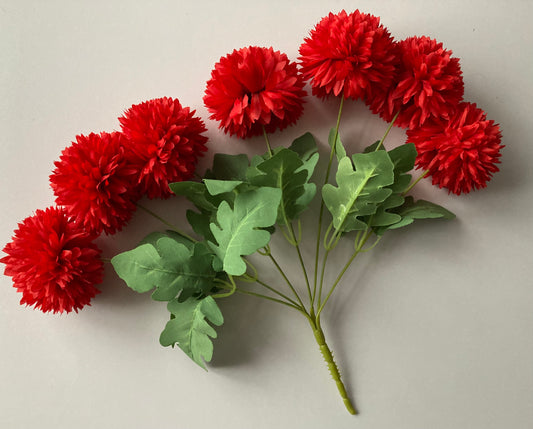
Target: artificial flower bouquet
column 240, row 202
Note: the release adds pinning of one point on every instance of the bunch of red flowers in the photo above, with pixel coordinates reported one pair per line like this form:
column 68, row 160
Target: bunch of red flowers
column 97, row 182
column 414, row 83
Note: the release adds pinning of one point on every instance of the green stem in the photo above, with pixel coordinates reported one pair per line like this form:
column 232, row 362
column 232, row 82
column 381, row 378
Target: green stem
column 105, row 259
column 322, row 276
column 358, row 248
column 279, row 301
column 173, row 227
column 333, row 369
column 412, row 185
column 387, row 132
column 277, row 292
column 286, row 279
column 321, row 212
column 267, row 142
column 337, row 280
column 302, row 264
column 232, row 289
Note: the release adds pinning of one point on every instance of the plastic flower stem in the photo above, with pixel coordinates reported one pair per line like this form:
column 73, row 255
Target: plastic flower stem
column 358, row 248
column 387, row 132
column 252, row 267
column 274, row 290
column 321, row 212
column 328, row 357
column 302, row 264
column 173, row 227
column 412, row 185
column 231, row 291
column 322, row 276
column 286, row 279
column 233, row 288
column 373, row 245
column 105, row 259
column 267, row 142
column 279, row 301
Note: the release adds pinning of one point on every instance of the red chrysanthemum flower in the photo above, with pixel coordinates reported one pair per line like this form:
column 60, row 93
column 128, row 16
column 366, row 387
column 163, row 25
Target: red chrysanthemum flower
column 351, row 53
column 254, row 88
column 54, row 262
column 165, row 143
column 429, row 84
column 95, row 182
column 460, row 154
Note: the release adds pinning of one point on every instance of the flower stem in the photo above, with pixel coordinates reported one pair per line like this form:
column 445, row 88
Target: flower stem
column 412, row 185
column 302, row 264
column 328, row 357
column 321, row 212
column 279, row 301
column 232, row 289
column 277, row 292
column 173, row 227
column 387, row 132
column 267, row 142
column 319, row 301
column 269, row 254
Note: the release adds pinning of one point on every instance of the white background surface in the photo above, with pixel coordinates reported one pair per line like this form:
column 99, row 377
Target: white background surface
column 432, row 329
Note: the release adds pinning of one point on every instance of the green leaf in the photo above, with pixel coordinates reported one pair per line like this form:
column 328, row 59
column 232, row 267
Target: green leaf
column 216, row 187
column 403, row 157
column 154, row 236
column 382, row 216
column 411, row 210
column 228, row 167
column 237, row 232
column 339, row 147
column 283, row 171
column 359, row 192
column 168, row 266
column 373, row 146
column 196, row 193
column 200, row 224
column 189, row 327
column 422, row 209
column 304, row 146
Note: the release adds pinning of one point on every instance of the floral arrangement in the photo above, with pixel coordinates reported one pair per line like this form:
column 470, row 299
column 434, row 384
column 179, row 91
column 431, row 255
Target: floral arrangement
column 240, row 202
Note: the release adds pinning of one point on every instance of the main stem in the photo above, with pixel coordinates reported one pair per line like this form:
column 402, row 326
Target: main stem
column 328, row 357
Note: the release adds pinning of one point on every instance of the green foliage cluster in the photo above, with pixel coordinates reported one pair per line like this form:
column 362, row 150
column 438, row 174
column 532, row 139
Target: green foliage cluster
column 239, row 204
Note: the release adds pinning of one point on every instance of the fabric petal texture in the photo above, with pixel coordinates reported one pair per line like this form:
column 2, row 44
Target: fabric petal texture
column 252, row 89
column 96, row 183
column 53, row 262
column 429, row 84
column 460, row 154
column 165, row 143
column 350, row 54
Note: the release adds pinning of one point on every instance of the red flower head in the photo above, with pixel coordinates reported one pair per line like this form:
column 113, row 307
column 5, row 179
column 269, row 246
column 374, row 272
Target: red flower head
column 165, row 143
column 429, row 84
column 53, row 262
column 461, row 154
column 254, row 88
column 95, row 183
column 351, row 53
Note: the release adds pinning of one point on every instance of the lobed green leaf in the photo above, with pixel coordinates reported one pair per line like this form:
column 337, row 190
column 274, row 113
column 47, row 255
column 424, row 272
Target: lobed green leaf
column 360, row 191
column 237, row 230
column 167, row 265
column 284, row 171
column 189, row 327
